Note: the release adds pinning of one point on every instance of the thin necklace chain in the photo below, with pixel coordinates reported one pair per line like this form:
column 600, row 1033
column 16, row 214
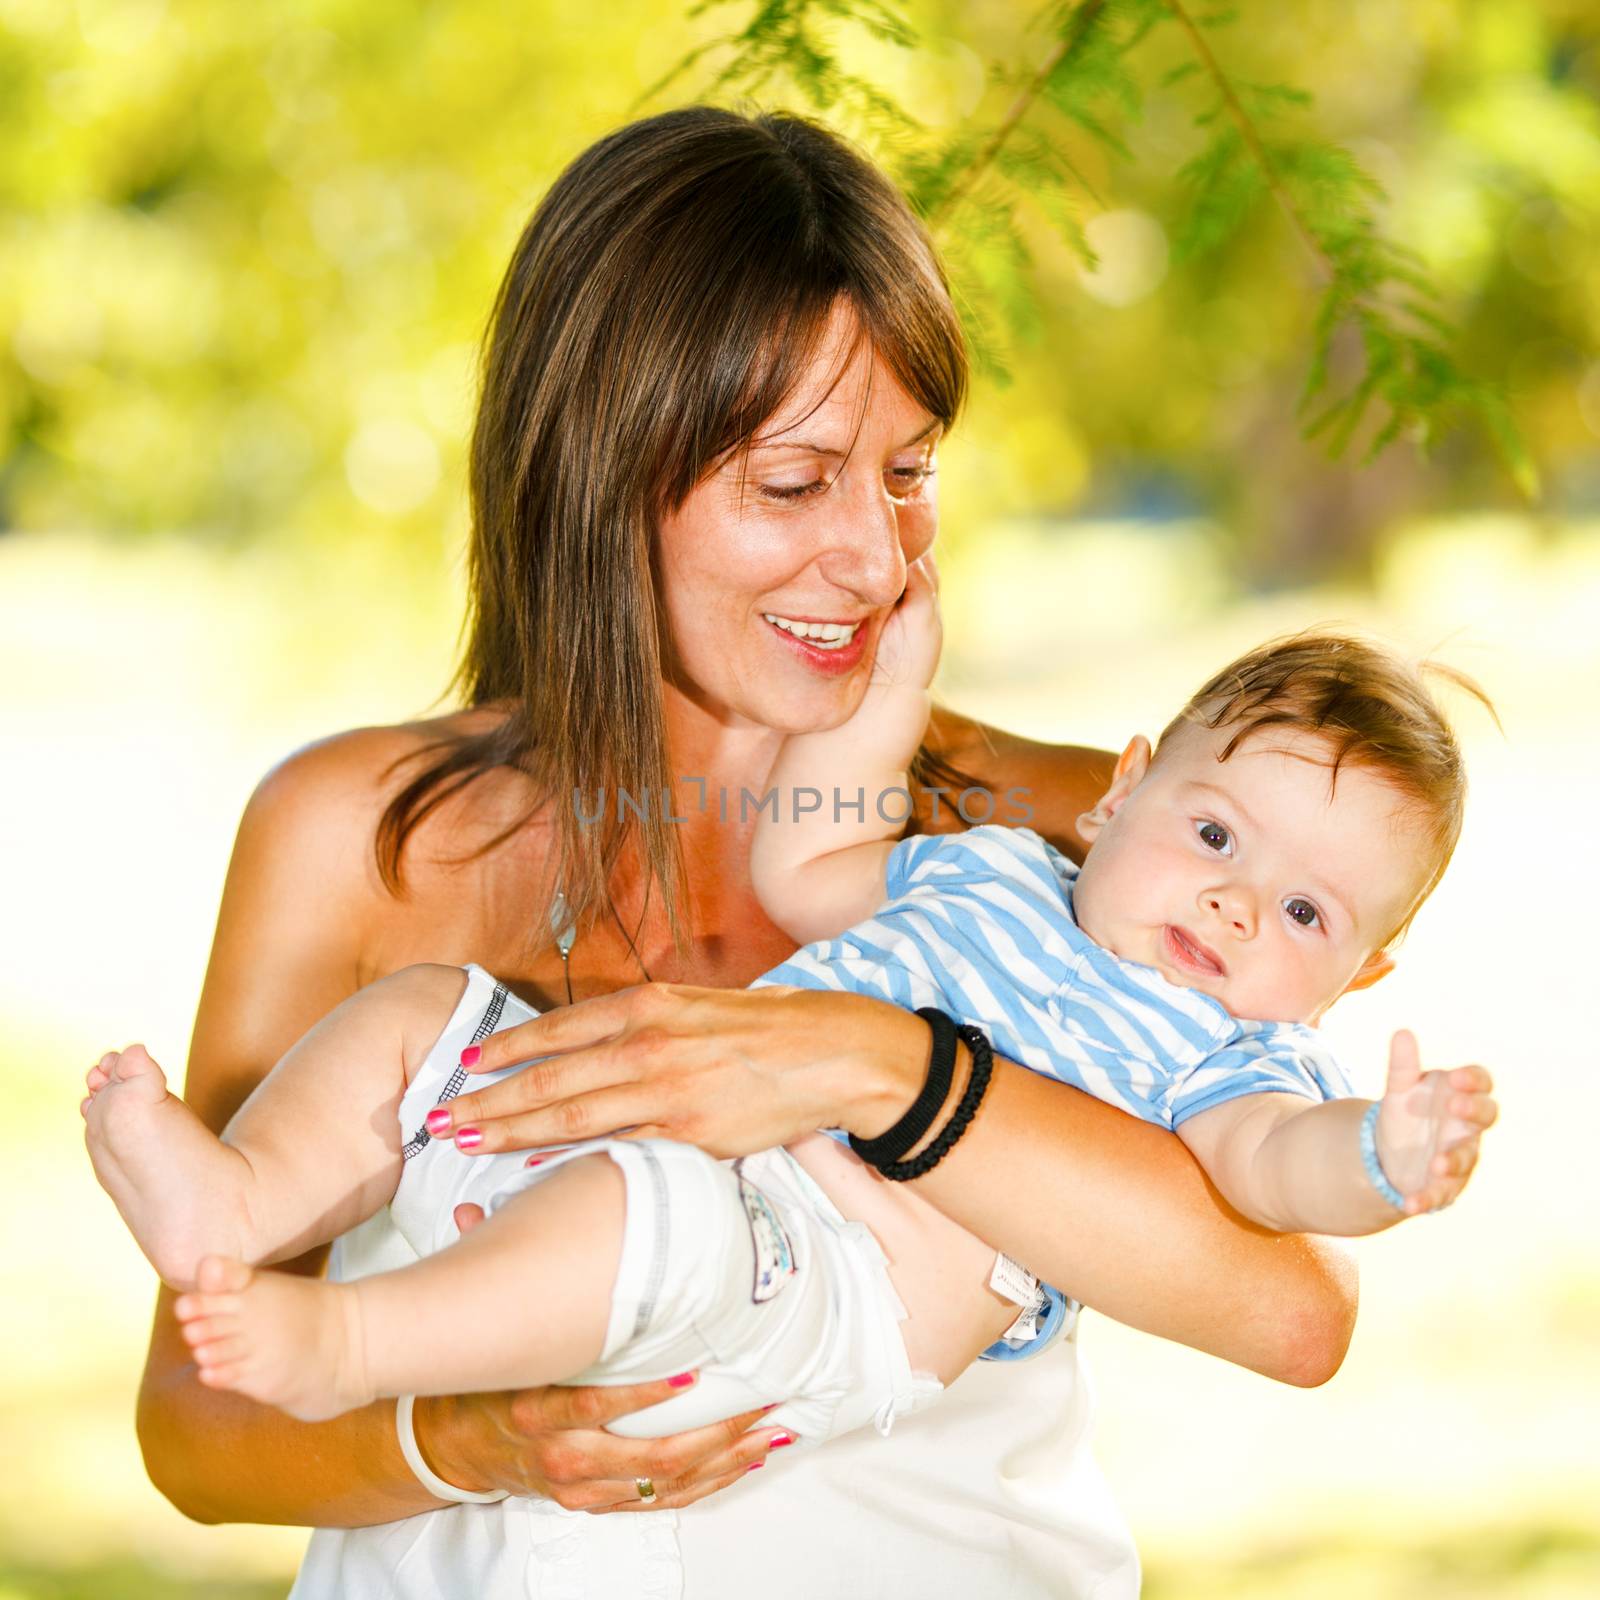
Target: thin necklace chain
column 566, row 934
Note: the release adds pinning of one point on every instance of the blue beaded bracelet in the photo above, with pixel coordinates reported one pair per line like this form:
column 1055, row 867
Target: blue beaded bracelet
column 1369, row 1159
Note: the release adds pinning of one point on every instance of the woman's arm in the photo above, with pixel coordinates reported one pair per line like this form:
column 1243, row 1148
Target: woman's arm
column 1112, row 1209
column 296, row 916
column 1118, row 1213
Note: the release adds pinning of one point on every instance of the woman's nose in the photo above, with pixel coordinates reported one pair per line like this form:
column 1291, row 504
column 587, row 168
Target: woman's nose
column 865, row 554
column 1235, row 905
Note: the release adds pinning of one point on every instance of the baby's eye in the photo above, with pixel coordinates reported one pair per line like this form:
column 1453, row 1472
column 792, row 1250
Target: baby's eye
column 1215, row 836
column 1302, row 911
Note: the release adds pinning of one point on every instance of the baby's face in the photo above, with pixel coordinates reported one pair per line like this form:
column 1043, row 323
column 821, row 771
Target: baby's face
column 1246, row 879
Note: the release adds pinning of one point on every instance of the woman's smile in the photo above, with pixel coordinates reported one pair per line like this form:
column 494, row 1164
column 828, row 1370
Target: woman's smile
column 830, row 647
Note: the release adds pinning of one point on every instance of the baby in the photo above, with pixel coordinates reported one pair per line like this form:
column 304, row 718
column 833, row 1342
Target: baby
column 1258, row 865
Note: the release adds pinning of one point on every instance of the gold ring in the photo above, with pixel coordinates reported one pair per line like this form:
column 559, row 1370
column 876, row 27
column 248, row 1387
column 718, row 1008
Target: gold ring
column 647, row 1489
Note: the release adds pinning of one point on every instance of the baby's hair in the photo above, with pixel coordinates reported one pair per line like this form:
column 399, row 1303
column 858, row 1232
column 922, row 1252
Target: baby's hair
column 1368, row 705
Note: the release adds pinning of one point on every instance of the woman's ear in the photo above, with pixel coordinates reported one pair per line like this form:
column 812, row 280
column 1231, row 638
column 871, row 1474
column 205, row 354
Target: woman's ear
column 1131, row 767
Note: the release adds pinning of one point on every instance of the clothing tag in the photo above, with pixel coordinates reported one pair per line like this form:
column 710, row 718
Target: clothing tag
column 1012, row 1281
column 774, row 1253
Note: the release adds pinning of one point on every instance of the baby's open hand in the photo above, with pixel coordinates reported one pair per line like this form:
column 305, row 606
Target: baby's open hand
column 1429, row 1124
column 908, row 647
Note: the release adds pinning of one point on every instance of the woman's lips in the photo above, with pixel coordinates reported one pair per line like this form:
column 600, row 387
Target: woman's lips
column 830, row 663
column 1185, row 951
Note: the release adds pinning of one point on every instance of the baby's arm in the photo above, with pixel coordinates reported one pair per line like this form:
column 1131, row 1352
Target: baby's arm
column 1297, row 1168
column 818, row 863
column 314, row 1151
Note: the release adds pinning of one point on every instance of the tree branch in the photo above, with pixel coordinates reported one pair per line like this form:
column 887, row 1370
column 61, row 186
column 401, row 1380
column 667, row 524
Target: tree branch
column 1083, row 19
column 1247, row 131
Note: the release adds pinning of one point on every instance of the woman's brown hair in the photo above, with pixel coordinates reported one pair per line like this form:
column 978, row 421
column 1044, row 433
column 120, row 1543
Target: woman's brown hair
column 662, row 303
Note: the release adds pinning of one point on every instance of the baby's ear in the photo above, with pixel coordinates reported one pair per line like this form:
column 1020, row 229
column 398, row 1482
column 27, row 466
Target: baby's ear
column 1378, row 965
column 1131, row 767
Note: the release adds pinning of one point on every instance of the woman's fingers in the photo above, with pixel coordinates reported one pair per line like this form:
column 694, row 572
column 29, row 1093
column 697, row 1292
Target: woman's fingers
column 559, row 1408
column 539, row 1086
column 566, row 1028
column 574, row 1461
column 745, row 1454
column 731, row 1070
column 590, row 1116
column 678, row 1462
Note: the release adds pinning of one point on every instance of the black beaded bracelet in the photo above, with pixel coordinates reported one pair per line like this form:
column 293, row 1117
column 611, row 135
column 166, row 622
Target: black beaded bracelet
column 961, row 1117
column 890, row 1145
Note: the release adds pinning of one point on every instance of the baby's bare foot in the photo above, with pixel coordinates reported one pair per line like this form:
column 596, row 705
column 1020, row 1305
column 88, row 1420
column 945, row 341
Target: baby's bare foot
column 290, row 1342
column 174, row 1181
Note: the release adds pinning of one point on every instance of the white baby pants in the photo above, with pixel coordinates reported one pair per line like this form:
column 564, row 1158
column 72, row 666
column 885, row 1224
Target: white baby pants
column 742, row 1271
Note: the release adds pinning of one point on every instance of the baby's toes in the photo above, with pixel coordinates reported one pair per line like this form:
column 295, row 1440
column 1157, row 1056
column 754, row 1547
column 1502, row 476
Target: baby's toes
column 228, row 1351
column 222, row 1374
column 135, row 1062
column 222, row 1275
column 198, row 1330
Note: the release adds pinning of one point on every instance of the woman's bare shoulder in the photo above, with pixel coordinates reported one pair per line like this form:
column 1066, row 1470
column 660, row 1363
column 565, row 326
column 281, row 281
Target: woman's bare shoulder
column 315, row 815
column 1049, row 784
column 346, row 780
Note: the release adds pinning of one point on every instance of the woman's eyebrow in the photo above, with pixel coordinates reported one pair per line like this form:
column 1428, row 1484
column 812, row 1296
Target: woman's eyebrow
column 813, row 448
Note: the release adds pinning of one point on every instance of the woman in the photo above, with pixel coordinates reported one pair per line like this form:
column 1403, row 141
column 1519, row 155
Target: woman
column 714, row 383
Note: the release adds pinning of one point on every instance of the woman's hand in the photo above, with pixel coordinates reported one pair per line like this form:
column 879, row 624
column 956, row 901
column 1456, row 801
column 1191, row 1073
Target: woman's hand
column 552, row 1443
column 909, row 645
column 731, row 1070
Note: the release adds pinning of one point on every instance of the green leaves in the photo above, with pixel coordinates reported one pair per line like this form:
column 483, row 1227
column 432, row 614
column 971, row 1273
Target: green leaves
column 245, row 257
column 1381, row 351
column 1380, row 363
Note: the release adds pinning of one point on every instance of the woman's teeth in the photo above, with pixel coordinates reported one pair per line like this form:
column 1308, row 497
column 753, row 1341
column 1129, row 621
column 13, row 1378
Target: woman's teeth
column 826, row 635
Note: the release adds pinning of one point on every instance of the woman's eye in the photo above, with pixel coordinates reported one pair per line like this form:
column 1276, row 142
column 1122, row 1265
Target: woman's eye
column 1215, row 836
column 905, row 481
column 1302, row 912
column 791, row 491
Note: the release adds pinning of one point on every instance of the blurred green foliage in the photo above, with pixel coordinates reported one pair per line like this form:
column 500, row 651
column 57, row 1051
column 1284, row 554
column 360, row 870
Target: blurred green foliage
column 1380, row 317
column 245, row 254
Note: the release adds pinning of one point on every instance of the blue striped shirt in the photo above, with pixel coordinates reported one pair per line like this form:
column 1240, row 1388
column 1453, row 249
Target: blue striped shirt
column 981, row 925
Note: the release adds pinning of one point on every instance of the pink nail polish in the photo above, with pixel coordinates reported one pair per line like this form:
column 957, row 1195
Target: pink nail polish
column 470, row 1056
column 779, row 1440
column 534, row 1161
column 468, row 1138
column 681, row 1380
column 438, row 1121
column 754, row 1464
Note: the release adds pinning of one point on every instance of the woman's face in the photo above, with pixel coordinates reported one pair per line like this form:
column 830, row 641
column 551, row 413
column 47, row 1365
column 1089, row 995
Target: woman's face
column 810, row 534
